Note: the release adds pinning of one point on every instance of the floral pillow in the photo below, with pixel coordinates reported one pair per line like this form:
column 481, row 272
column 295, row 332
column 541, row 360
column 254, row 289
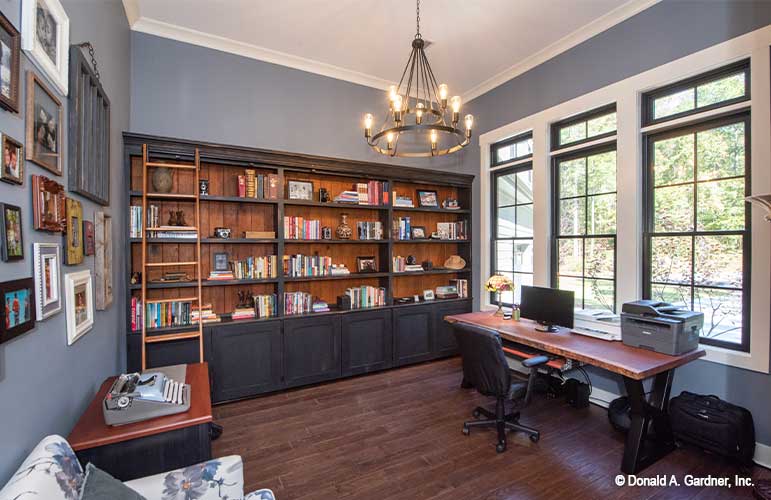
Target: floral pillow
column 51, row 471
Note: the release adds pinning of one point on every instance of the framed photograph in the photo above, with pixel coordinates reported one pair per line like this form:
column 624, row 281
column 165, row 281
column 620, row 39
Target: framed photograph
column 13, row 159
column 366, row 264
column 300, row 190
column 418, row 232
column 10, row 52
column 427, row 198
column 103, row 260
column 48, row 204
column 45, row 36
column 10, row 230
column 17, row 302
column 73, row 236
column 79, row 303
column 47, row 263
column 44, row 125
column 221, row 262
column 89, row 245
column 428, row 295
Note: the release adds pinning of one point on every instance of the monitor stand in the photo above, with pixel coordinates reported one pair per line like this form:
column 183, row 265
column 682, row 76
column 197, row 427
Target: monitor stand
column 543, row 327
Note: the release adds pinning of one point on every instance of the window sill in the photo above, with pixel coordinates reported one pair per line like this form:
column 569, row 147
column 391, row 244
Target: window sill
column 736, row 359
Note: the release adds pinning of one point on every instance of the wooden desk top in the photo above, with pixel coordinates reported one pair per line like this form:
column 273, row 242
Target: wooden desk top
column 91, row 431
column 616, row 357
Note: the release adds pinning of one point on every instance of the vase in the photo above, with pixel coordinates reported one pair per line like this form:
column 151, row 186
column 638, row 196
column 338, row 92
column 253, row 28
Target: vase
column 344, row 231
column 162, row 180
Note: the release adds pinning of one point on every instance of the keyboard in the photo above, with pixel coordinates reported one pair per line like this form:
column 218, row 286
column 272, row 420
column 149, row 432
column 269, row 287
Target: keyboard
column 598, row 334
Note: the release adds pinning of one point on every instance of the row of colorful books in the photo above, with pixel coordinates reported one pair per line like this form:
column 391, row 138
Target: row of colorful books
column 154, row 227
column 297, row 303
column 298, row 228
column 299, row 265
column 462, row 287
column 372, row 193
column 255, row 268
column 402, row 228
column 366, row 296
column 452, row 230
column 260, row 186
column 162, row 315
column 367, row 230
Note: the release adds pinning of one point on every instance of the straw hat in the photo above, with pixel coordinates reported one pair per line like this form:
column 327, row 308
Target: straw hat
column 455, row 262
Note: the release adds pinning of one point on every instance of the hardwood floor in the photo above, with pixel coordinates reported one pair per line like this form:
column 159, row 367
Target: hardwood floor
column 397, row 435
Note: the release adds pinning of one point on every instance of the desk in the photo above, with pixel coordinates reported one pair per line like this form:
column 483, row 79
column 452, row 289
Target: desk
column 633, row 364
column 152, row 446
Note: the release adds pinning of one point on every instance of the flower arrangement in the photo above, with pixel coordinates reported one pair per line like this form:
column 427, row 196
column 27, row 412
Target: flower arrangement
column 499, row 283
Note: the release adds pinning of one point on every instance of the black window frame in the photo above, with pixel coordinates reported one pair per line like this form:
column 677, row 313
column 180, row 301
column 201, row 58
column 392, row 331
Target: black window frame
column 649, row 98
column 508, row 142
column 583, row 117
column 649, row 139
column 555, row 223
column 514, row 169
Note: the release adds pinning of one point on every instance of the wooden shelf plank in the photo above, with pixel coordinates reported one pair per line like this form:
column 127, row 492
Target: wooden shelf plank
column 238, row 282
column 351, row 276
column 431, row 209
column 168, row 301
column 237, row 199
column 337, row 242
column 180, row 166
column 331, row 204
column 172, row 196
column 432, row 241
column 432, row 271
column 212, row 241
column 172, row 336
column 169, row 264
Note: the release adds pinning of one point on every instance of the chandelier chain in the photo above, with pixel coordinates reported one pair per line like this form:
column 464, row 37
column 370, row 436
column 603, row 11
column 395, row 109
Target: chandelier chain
column 417, row 15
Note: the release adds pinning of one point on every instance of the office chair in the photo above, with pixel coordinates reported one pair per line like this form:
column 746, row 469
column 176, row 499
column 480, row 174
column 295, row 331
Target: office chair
column 485, row 368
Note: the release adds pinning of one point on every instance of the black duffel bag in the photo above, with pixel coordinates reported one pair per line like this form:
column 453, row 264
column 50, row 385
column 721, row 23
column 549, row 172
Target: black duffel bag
column 714, row 425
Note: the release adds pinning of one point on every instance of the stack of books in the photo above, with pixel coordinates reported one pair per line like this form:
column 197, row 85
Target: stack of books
column 462, row 286
column 207, row 314
column 259, row 186
column 136, row 313
column 320, row 306
column 366, row 296
column 400, row 265
column 402, row 201
column 402, row 228
column 297, row 303
column 297, row 228
column 347, row 197
column 243, row 313
column 452, row 230
column 372, row 193
column 296, row 266
column 370, row 230
column 265, row 305
column 168, row 314
column 447, row 292
column 338, row 270
column 221, row 276
column 255, row 268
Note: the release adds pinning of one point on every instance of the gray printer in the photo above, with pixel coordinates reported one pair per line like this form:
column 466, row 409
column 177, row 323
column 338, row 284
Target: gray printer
column 660, row 327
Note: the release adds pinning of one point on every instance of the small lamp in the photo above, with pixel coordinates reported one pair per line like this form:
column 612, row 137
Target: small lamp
column 499, row 283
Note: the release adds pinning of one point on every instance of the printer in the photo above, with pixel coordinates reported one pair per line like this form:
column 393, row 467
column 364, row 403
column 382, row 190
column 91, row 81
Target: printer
column 660, row 327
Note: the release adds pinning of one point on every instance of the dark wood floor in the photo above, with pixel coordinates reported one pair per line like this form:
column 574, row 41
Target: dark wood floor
column 397, row 435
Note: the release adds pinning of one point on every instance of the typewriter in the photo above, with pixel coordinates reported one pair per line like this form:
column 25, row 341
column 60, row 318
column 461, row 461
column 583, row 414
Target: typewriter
column 134, row 397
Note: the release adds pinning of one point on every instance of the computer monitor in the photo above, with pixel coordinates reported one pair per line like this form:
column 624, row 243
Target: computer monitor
column 548, row 306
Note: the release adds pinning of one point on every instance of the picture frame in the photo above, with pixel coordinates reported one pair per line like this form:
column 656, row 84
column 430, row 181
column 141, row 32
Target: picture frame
column 12, row 166
column 10, row 55
column 79, row 304
column 428, row 295
column 300, row 190
column 17, row 303
column 89, row 245
column 418, row 233
column 48, row 204
column 220, row 262
column 11, row 232
column 366, row 264
column 45, row 36
column 73, row 234
column 48, row 290
column 44, row 125
column 103, row 260
column 427, row 198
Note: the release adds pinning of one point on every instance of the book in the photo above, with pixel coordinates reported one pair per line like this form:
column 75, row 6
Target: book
column 269, row 235
column 241, row 186
column 273, row 186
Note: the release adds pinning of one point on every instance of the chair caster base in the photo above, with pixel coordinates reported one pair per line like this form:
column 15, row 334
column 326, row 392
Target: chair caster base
column 535, row 437
column 466, row 431
column 500, row 447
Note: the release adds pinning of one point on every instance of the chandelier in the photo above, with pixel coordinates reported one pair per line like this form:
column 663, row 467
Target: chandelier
column 417, row 112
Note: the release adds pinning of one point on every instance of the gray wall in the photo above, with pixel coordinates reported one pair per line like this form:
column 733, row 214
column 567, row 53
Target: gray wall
column 44, row 384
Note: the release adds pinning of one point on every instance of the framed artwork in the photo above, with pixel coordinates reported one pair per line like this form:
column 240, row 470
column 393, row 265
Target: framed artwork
column 79, row 303
column 48, row 290
column 428, row 295
column 366, row 264
column 10, row 230
column 10, row 52
column 45, row 36
column 13, row 158
column 48, row 204
column 427, row 198
column 221, row 262
column 300, row 190
column 88, row 152
column 73, row 235
column 418, row 232
column 103, row 260
column 44, row 125
column 17, row 302
column 89, row 245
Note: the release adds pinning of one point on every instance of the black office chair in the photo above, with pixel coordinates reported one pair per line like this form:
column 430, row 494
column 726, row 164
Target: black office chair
column 485, row 369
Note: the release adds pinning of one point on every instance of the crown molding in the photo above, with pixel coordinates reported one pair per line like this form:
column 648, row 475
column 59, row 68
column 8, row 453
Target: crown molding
column 132, row 11
column 564, row 44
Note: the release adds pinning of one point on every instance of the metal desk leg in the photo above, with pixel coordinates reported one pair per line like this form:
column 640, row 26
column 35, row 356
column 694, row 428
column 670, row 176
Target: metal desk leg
column 639, row 451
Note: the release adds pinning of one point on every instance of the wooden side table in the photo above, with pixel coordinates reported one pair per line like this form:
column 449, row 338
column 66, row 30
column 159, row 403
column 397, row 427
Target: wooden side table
column 144, row 448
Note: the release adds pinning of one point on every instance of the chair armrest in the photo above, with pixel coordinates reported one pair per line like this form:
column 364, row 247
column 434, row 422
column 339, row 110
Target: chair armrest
column 535, row 361
column 212, row 480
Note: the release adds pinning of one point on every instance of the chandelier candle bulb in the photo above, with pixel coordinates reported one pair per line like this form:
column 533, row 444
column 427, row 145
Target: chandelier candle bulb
column 434, row 139
column 390, row 139
column 443, row 93
column 368, row 119
column 469, row 119
column 419, row 113
column 455, row 105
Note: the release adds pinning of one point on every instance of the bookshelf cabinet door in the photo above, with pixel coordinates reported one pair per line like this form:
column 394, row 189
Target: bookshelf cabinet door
column 367, row 339
column 444, row 337
column 245, row 360
column 413, row 327
column 311, row 349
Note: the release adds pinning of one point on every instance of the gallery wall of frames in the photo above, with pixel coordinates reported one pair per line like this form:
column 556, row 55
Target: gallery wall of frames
column 35, row 162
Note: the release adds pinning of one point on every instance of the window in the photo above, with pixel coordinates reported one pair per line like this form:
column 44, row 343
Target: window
column 514, row 149
column 718, row 88
column 512, row 252
column 584, row 226
column 585, row 127
column 697, row 237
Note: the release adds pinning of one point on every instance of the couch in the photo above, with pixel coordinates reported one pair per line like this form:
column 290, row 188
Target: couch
column 52, row 472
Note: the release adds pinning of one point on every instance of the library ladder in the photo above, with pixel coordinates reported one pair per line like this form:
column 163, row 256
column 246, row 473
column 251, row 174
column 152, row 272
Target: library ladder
column 193, row 332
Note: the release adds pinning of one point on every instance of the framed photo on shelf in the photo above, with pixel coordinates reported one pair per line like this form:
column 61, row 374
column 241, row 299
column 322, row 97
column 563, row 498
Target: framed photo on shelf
column 89, row 247
column 220, row 263
column 427, row 198
column 13, row 158
column 10, row 53
column 366, row 264
column 103, row 260
column 300, row 190
column 45, row 36
column 48, row 204
column 79, row 303
column 11, row 231
column 428, row 295
column 73, row 237
column 418, row 232
column 47, row 264
column 44, row 125
column 17, row 303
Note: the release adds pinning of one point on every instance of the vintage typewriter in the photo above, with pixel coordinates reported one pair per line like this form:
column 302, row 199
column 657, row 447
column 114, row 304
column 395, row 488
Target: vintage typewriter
column 134, row 397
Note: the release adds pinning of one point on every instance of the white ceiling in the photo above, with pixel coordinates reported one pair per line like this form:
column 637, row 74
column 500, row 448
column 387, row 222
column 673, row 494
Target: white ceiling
column 476, row 44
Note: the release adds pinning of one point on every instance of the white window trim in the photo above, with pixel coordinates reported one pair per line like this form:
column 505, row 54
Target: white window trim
column 627, row 96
